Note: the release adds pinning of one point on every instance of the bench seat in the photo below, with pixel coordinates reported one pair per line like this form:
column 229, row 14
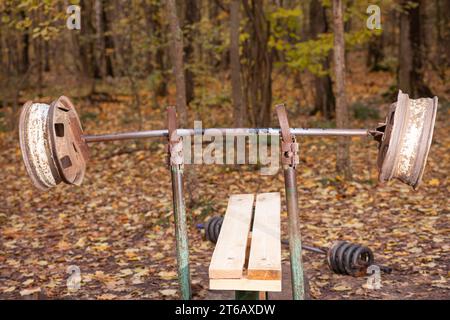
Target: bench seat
column 247, row 256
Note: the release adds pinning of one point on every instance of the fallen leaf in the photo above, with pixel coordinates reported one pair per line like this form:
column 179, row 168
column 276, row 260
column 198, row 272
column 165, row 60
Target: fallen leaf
column 167, row 275
column 341, row 288
column 434, row 182
column 27, row 292
column 168, row 292
column 106, row 296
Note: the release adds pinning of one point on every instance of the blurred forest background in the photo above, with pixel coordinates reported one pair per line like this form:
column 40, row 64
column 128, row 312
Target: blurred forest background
column 226, row 62
column 220, row 53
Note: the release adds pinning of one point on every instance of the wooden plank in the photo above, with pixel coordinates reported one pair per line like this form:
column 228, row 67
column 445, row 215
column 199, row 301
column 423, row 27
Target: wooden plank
column 245, row 284
column 229, row 255
column 265, row 250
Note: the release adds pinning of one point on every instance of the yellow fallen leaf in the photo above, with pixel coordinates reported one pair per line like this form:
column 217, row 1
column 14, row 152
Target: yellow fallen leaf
column 167, row 275
column 168, row 292
column 126, row 272
column 81, row 242
column 28, row 282
column 341, row 288
column 434, row 182
column 27, row 292
column 10, row 289
column 100, row 246
column 158, row 256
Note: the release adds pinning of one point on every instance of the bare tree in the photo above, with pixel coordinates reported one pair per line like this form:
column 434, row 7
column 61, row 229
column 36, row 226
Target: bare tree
column 324, row 100
column 258, row 69
column 239, row 112
column 191, row 17
column 100, row 40
column 343, row 149
column 375, row 54
column 176, row 43
column 411, row 54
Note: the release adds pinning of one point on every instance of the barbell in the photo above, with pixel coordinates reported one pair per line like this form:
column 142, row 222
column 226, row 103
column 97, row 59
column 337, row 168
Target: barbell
column 54, row 148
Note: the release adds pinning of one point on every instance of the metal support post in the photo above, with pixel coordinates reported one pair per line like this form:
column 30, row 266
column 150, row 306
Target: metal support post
column 290, row 159
column 175, row 159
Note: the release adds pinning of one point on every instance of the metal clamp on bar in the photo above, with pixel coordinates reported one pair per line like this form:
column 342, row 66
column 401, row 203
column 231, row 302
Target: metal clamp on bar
column 175, row 147
column 289, row 145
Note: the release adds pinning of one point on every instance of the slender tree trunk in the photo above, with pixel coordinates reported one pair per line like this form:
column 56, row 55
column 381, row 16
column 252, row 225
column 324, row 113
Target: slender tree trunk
column 324, row 100
column 258, row 73
column 176, row 44
column 40, row 69
column 25, row 47
column 411, row 55
column 375, row 53
column 47, row 55
column 342, row 118
column 405, row 55
column 156, row 32
column 108, row 42
column 191, row 17
column 99, row 38
column 239, row 110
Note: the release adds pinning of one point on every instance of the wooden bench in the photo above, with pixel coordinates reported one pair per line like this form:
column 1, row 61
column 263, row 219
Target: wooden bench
column 247, row 256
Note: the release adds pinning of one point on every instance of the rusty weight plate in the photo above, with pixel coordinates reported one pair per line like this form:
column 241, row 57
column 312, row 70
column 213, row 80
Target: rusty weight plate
column 406, row 139
column 68, row 146
column 51, row 142
column 35, row 147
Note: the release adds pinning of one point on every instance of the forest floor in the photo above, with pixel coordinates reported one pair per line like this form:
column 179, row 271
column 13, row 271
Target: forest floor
column 118, row 226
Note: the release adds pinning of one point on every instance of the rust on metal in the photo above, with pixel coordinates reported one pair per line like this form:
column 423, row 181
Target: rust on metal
column 289, row 145
column 350, row 259
column 175, row 146
column 52, row 143
column 405, row 139
column 68, row 146
column 34, row 145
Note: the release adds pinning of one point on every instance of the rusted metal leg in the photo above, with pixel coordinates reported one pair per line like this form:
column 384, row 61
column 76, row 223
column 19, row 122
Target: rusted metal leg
column 290, row 159
column 176, row 163
column 181, row 233
column 295, row 240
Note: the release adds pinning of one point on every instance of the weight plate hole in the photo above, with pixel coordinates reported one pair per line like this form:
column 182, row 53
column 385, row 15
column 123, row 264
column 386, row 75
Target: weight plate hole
column 59, row 129
column 66, row 162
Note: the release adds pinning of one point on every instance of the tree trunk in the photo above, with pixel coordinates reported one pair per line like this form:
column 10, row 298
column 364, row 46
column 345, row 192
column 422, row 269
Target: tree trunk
column 156, row 31
column 47, row 54
column 176, row 44
column 239, row 114
column 191, row 16
column 258, row 70
column 411, row 61
column 108, row 43
column 342, row 120
column 25, row 47
column 99, row 38
column 375, row 54
column 324, row 100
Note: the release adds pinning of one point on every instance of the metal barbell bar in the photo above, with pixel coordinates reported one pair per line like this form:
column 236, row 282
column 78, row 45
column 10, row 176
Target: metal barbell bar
column 231, row 131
